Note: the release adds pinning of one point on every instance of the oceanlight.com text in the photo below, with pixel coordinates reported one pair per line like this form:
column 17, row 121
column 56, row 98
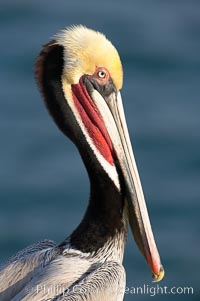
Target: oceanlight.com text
column 159, row 290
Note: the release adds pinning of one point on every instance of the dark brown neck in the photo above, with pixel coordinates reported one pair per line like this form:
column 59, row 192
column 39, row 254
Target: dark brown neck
column 103, row 219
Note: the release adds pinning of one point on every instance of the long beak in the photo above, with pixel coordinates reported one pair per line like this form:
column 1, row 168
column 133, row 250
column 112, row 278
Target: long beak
column 112, row 113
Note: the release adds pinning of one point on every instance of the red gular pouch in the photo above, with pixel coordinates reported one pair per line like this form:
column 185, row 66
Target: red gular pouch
column 92, row 121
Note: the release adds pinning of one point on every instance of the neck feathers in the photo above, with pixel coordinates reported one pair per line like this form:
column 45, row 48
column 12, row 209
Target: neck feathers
column 104, row 218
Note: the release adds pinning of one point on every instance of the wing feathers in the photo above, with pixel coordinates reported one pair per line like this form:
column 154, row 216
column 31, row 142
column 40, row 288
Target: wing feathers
column 19, row 269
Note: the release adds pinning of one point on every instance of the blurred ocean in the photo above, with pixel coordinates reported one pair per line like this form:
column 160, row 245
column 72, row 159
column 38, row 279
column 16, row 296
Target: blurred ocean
column 43, row 183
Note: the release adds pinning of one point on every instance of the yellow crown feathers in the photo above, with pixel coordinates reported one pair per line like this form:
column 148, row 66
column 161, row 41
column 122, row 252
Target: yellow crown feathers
column 86, row 49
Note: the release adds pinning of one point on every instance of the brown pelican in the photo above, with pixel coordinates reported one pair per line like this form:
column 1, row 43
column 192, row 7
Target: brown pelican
column 80, row 74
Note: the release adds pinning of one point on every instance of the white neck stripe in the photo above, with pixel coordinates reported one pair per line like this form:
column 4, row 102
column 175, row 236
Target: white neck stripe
column 109, row 169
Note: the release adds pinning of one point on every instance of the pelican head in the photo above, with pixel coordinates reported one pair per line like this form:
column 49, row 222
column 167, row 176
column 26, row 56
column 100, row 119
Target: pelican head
column 80, row 75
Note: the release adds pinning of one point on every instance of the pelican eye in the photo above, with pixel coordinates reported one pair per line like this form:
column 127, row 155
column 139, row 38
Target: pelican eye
column 101, row 74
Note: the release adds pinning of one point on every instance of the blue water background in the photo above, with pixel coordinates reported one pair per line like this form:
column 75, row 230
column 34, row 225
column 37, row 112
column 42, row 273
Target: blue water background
column 43, row 183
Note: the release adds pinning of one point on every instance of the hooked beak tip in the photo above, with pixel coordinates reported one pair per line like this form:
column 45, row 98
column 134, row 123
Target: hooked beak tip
column 158, row 277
